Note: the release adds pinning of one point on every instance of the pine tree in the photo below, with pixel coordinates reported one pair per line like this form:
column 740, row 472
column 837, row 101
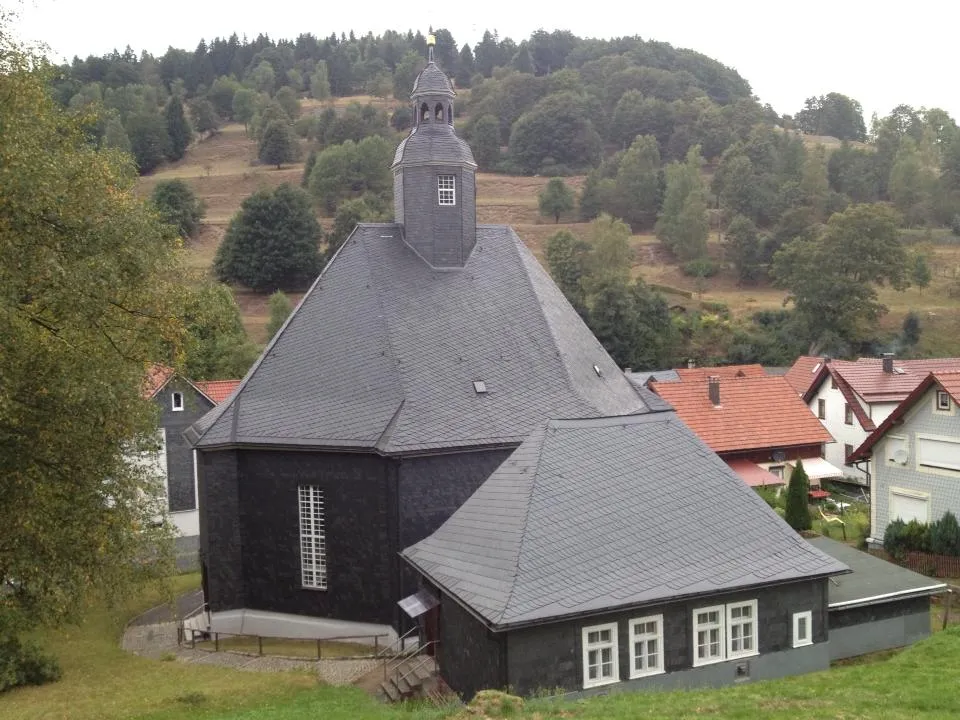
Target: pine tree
column 278, row 144
column 178, row 129
column 797, row 512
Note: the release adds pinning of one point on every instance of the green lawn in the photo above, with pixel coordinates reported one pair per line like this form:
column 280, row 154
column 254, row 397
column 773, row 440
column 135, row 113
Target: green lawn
column 101, row 681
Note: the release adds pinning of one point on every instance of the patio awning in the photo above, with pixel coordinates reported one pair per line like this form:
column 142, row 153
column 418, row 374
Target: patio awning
column 820, row 469
column 752, row 474
column 417, row 604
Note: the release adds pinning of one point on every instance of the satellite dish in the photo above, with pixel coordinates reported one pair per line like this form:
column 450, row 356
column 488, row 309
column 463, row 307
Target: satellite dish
column 779, row 456
column 900, row 456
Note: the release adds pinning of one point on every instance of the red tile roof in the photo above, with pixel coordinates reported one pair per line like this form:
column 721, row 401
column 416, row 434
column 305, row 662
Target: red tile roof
column 723, row 372
column 867, row 378
column 157, row 376
column 948, row 381
column 217, row 390
column 754, row 413
column 803, row 372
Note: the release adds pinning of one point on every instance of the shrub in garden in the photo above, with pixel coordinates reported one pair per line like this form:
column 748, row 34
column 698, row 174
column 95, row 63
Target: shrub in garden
column 797, row 512
column 23, row 663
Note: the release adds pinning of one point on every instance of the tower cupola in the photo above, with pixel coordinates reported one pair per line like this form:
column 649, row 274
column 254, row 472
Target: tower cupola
column 434, row 175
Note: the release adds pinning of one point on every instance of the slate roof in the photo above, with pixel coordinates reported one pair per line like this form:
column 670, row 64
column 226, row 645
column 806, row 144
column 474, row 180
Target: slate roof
column 595, row 514
column 947, row 381
column 640, row 379
column 383, row 351
column 872, row 580
column 433, row 143
column 432, row 81
column 754, row 413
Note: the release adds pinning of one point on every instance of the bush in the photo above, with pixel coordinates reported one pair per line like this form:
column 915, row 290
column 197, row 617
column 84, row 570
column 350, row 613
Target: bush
column 701, row 267
column 797, row 511
column 24, row 664
column 901, row 538
column 768, row 494
column 716, row 307
column 945, row 535
column 179, row 206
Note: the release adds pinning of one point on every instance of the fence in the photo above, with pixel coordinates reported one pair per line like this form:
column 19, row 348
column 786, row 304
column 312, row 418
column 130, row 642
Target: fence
column 189, row 638
column 941, row 566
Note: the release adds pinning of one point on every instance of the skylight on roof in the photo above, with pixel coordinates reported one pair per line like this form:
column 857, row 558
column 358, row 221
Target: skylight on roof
column 598, row 371
column 480, row 387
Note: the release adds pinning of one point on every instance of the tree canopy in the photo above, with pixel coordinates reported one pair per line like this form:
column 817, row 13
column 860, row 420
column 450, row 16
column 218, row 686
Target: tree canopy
column 555, row 199
column 90, row 299
column 178, row 206
column 271, row 243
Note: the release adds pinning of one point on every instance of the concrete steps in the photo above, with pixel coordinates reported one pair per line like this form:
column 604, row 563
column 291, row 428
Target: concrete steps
column 414, row 677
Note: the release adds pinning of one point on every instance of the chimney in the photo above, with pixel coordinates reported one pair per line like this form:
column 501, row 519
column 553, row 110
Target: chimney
column 888, row 362
column 691, row 363
column 713, row 389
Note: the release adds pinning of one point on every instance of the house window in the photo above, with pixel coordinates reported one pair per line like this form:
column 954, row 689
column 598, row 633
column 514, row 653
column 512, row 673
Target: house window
column 822, row 409
column 943, row 401
column 724, row 632
column 313, row 538
column 909, row 505
column 776, row 470
column 742, row 629
column 802, row 628
column 600, row 662
column 708, row 635
column 938, row 452
column 447, row 189
column 847, row 452
column 833, row 383
column 847, row 414
column 176, row 401
column 646, row 643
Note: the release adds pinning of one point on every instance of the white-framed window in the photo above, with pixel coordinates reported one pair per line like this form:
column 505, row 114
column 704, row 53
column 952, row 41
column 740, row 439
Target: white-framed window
column 742, row 629
column 600, row 662
column 646, row 646
column 446, row 189
column 943, row 402
column 176, row 401
column 725, row 632
column 802, row 628
column 847, row 414
column 938, row 452
column 909, row 505
column 313, row 538
column 708, row 644
column 822, row 409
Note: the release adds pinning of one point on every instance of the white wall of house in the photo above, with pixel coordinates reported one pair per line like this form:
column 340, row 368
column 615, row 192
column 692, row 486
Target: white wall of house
column 188, row 521
column 835, row 423
column 917, row 467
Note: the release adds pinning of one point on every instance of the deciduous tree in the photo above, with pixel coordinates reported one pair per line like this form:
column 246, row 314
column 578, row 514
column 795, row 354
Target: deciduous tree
column 279, row 306
column 485, row 142
column 567, row 259
column 205, row 118
column 683, row 222
column 90, row 298
column 149, row 141
column 743, row 248
column 555, row 199
column 178, row 205
column 271, row 242
column 638, row 183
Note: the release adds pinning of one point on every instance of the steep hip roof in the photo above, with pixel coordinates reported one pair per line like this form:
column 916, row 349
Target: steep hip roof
column 595, row 514
column 383, row 352
column 754, row 413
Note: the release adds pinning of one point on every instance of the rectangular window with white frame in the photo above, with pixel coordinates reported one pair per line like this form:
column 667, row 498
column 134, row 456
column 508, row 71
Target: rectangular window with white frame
column 725, row 632
column 803, row 628
column 447, row 189
column 943, row 403
column 313, row 538
column 600, row 661
column 646, row 646
column 176, row 401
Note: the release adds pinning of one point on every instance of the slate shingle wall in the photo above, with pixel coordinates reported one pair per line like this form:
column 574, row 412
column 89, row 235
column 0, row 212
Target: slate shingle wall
column 360, row 534
column 180, row 486
column 443, row 235
column 470, row 656
column 878, row 627
column 943, row 486
column 221, row 542
column 883, row 611
column 550, row 656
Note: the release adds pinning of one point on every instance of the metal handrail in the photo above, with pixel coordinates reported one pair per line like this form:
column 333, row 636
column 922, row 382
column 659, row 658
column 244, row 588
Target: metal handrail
column 340, row 638
column 399, row 642
column 423, row 661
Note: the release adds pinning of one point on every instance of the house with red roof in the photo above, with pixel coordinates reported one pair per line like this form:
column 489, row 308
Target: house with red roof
column 915, row 456
column 852, row 398
column 181, row 402
column 756, row 423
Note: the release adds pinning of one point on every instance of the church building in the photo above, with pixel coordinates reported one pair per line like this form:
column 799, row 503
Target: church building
column 426, row 351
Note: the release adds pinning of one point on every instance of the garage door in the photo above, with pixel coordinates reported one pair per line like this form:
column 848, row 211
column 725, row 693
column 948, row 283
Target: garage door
column 909, row 507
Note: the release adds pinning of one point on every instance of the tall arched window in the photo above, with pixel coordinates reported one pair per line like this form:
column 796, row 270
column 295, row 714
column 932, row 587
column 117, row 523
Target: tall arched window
column 438, row 112
column 424, row 112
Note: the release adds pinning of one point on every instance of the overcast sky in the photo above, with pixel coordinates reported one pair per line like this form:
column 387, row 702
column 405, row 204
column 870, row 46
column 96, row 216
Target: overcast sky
column 879, row 55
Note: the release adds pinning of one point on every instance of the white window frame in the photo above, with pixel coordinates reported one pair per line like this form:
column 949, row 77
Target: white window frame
column 806, row 616
column 447, row 190
column 937, row 407
column 599, row 647
column 733, row 623
column 174, row 405
column 821, row 409
column 644, row 638
column 699, row 627
column 313, row 537
column 906, row 493
column 848, row 414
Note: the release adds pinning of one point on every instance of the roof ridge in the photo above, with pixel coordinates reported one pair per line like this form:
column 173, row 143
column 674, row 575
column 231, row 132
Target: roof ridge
column 526, row 517
column 235, row 395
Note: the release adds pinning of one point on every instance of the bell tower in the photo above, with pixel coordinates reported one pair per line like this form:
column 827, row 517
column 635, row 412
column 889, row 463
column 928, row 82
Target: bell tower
column 434, row 175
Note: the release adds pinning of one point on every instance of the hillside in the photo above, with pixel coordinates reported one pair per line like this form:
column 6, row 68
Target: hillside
column 223, row 171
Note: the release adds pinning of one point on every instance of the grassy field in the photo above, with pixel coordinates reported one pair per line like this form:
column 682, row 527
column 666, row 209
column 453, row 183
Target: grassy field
column 101, row 681
column 223, row 171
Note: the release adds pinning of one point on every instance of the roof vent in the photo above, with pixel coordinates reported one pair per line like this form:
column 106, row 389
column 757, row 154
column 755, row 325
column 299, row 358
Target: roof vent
column 480, row 387
column 598, row 371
